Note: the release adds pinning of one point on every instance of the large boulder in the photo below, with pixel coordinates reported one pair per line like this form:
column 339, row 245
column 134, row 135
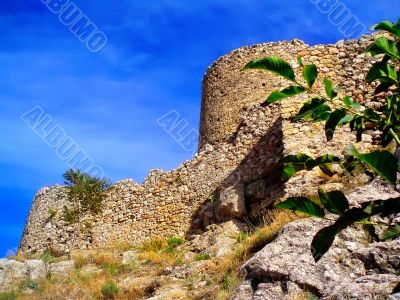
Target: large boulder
column 11, row 273
column 232, row 203
column 218, row 239
column 36, row 269
column 62, row 268
column 352, row 269
column 255, row 191
column 130, row 257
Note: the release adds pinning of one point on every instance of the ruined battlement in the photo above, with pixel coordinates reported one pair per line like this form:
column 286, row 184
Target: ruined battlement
column 233, row 173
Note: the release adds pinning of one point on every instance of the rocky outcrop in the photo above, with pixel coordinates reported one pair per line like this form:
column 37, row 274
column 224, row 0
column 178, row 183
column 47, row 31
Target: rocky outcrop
column 357, row 266
column 13, row 272
column 232, row 204
column 217, row 240
column 352, row 269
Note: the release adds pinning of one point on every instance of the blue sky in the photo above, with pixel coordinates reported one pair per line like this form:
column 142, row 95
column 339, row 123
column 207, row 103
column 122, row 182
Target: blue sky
column 109, row 102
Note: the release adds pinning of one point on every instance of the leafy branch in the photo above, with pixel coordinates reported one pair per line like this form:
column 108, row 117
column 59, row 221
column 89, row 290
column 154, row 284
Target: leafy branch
column 337, row 112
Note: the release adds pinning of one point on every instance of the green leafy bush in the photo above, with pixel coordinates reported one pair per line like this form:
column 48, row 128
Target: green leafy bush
column 202, row 256
column 86, row 195
column 8, row 296
column 337, row 111
column 227, row 282
column 242, row 237
column 28, row 285
column 52, row 212
column 173, row 243
column 110, row 290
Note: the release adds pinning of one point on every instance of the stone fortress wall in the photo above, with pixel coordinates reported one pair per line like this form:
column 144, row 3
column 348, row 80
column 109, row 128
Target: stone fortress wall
column 234, row 173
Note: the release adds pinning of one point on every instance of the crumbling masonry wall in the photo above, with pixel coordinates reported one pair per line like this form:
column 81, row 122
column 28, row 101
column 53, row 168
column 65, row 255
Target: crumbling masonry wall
column 240, row 145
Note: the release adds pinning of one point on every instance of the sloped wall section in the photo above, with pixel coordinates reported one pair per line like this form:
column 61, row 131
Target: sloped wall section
column 240, row 145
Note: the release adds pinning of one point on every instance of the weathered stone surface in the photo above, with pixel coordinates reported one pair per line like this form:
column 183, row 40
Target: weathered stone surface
column 11, row 273
column 129, row 257
column 217, row 240
column 232, row 203
column 351, row 267
column 376, row 286
column 62, row 268
column 394, row 297
column 244, row 291
column 36, row 269
column 171, row 292
column 90, row 269
column 256, row 191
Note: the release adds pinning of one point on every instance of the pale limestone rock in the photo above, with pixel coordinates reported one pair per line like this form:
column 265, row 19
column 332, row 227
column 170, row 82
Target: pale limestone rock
column 232, row 203
column 351, row 267
column 36, row 269
column 217, row 240
column 129, row 257
column 370, row 287
column 11, row 273
column 62, row 268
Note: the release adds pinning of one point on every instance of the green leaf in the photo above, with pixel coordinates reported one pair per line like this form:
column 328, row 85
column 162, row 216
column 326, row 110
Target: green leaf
column 358, row 124
column 325, row 237
column 273, row 64
column 388, row 27
column 300, row 60
column 285, row 93
column 382, row 45
column 322, row 241
column 296, row 163
column 325, row 163
column 314, row 108
column 346, row 119
column 351, row 165
column 371, row 115
column 330, row 92
column 391, row 233
column 382, row 162
column 383, row 72
column 347, row 100
column 351, row 104
column 310, row 74
column 335, row 202
column 302, row 204
column 334, row 119
column 300, row 162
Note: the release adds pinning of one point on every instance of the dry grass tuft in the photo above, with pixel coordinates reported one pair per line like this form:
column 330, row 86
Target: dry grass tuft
column 80, row 260
column 226, row 269
column 221, row 275
column 155, row 244
column 132, row 293
column 304, row 296
column 163, row 259
column 121, row 246
column 102, row 259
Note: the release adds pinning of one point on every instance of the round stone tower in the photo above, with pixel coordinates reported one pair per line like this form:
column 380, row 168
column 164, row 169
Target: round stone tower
column 227, row 90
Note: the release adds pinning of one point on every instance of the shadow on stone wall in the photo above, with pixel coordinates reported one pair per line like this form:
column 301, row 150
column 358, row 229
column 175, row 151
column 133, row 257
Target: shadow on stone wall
column 249, row 190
